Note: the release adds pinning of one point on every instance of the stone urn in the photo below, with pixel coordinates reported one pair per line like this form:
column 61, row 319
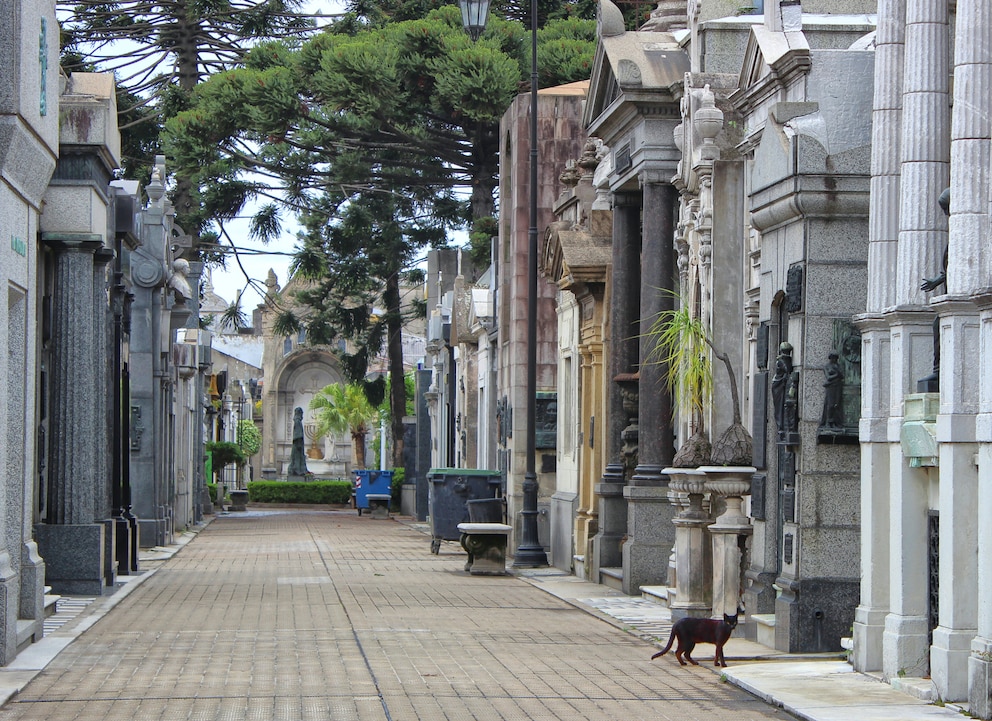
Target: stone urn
column 731, row 483
column 692, row 482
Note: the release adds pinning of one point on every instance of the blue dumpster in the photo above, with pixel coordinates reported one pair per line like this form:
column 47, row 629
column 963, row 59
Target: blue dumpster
column 451, row 489
column 368, row 481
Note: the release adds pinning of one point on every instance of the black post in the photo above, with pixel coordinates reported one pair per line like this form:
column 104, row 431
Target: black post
column 530, row 553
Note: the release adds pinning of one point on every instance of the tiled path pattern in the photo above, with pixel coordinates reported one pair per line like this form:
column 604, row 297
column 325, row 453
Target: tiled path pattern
column 306, row 616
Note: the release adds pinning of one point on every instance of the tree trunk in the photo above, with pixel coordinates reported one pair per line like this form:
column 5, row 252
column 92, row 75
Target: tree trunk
column 394, row 350
column 358, row 448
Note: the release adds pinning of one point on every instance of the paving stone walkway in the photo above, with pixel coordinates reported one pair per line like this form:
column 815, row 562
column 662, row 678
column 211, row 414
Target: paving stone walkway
column 301, row 616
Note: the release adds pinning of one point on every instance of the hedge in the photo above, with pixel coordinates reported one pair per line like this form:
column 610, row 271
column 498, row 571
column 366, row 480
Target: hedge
column 312, row 492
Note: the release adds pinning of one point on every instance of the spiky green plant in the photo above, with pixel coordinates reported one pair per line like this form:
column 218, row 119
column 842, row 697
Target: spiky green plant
column 681, row 346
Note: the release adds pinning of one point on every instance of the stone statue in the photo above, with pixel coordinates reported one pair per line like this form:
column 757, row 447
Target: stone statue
column 931, row 384
column 297, row 458
column 833, row 407
column 780, row 383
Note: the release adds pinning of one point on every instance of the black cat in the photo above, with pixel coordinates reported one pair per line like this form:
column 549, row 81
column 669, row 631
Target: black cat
column 690, row 631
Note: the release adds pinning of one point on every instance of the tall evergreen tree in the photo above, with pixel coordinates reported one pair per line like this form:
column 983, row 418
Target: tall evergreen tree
column 159, row 52
column 368, row 134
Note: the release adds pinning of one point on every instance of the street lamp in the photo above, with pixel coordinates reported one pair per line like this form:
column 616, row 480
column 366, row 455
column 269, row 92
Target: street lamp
column 474, row 15
column 529, row 553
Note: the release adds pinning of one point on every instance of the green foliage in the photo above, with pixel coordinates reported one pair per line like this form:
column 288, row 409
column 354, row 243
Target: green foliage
column 343, row 408
column 224, row 453
column 678, row 342
column 374, row 178
column 565, row 50
column 480, row 240
column 396, row 487
column 159, row 52
column 249, row 437
column 312, row 492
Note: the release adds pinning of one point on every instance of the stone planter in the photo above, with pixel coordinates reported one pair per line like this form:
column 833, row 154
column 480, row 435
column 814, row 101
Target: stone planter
column 239, row 500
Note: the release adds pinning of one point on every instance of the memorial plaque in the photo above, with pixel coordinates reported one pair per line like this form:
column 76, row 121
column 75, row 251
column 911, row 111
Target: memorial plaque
column 794, row 289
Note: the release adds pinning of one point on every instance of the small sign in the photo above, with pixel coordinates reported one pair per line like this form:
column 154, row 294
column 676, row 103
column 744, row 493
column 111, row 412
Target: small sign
column 18, row 245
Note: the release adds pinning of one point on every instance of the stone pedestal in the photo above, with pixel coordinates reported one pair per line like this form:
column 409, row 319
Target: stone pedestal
column 485, row 544
column 693, row 553
column 73, row 556
column 126, row 545
column 239, row 501
column 650, row 537
column 109, row 552
column 606, row 544
column 980, row 678
column 728, row 534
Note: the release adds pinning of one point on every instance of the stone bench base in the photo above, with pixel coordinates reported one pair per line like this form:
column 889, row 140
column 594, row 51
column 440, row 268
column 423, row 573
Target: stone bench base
column 485, row 544
column 379, row 504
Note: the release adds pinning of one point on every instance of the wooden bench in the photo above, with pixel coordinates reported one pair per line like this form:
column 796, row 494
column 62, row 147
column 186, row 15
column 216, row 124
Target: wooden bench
column 485, row 544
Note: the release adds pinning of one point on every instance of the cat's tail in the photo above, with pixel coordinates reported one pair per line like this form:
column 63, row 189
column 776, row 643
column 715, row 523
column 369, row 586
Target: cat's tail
column 662, row 652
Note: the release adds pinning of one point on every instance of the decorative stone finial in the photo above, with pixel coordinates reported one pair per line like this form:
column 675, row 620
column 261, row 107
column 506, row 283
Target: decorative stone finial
column 610, row 20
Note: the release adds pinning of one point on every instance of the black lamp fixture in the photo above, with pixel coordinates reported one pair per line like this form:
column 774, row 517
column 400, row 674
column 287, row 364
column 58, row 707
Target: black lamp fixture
column 474, row 16
column 530, row 553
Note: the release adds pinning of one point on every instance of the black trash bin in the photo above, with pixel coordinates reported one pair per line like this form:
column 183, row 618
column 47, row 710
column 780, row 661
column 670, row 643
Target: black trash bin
column 485, row 510
column 450, row 491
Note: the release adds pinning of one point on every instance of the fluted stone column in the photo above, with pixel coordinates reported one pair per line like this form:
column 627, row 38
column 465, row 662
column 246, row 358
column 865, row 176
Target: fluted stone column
column 623, row 305
column 925, row 146
column 925, row 154
column 649, row 513
column 883, row 246
column 71, row 541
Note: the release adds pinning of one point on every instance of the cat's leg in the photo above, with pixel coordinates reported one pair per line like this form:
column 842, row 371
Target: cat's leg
column 678, row 653
column 718, row 659
column 688, row 650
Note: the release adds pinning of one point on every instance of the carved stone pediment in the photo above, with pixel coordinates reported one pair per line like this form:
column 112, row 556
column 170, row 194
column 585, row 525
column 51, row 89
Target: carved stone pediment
column 576, row 256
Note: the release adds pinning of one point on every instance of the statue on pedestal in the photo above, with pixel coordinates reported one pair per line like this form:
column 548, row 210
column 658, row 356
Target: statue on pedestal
column 297, row 458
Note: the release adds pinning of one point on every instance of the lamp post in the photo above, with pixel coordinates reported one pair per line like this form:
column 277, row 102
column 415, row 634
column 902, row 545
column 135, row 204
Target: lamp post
column 529, row 553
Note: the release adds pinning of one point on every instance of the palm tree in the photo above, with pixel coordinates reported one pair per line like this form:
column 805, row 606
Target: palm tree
column 344, row 408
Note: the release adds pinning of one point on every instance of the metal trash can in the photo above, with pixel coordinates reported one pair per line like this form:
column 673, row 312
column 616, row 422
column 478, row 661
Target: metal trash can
column 485, row 510
column 450, row 490
column 368, row 481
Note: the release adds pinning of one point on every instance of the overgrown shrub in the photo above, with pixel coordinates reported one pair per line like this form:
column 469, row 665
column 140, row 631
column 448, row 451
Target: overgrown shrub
column 396, row 488
column 313, row 492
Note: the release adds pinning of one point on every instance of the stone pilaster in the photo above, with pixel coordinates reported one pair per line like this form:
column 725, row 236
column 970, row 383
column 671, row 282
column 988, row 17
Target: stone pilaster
column 980, row 661
column 958, row 499
column 904, row 641
column 869, row 617
column 624, row 284
column 105, row 385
